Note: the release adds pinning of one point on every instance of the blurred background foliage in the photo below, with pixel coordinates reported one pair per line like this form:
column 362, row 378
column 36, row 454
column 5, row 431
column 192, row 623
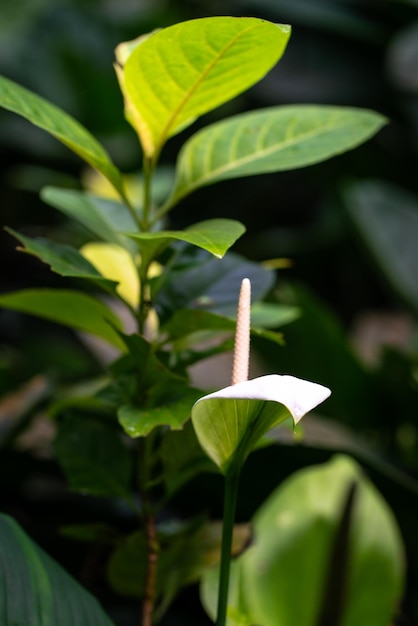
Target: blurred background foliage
column 349, row 228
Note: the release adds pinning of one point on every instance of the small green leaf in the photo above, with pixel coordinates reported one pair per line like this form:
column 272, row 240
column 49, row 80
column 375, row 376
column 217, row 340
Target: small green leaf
column 35, row 590
column 93, row 457
column 216, row 236
column 70, row 308
column 66, row 129
column 104, row 218
column 229, row 423
column 188, row 69
column 270, row 140
column 187, row 322
column 63, row 259
column 139, row 421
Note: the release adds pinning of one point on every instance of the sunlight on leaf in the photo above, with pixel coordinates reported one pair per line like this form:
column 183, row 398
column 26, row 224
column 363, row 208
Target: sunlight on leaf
column 116, row 264
column 270, row 140
column 185, row 70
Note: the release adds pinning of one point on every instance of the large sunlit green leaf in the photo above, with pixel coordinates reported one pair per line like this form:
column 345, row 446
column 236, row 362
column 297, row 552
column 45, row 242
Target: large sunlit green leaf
column 35, row 590
column 327, row 536
column 63, row 259
column 229, row 423
column 93, row 456
column 270, row 140
column 70, row 308
column 183, row 71
column 216, row 236
column 104, row 218
column 387, row 219
column 66, row 129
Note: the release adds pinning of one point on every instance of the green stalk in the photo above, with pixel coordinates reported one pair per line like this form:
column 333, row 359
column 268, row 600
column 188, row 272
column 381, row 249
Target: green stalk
column 230, row 505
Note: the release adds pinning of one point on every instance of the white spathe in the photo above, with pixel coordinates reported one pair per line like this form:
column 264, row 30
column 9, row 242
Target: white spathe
column 297, row 395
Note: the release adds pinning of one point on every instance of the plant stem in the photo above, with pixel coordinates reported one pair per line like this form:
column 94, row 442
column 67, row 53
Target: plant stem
column 230, row 504
column 148, row 168
column 145, row 466
column 152, row 564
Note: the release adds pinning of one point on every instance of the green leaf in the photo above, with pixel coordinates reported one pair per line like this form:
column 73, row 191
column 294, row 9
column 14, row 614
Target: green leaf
column 66, row 129
column 182, row 458
column 229, row 423
column 187, row 322
column 186, row 551
column 387, row 219
column 216, row 236
column 199, row 281
column 70, row 308
column 270, row 140
column 355, row 555
column 93, row 456
column 63, row 259
column 188, row 69
column 104, row 218
column 35, row 590
column 326, row 536
column 139, row 421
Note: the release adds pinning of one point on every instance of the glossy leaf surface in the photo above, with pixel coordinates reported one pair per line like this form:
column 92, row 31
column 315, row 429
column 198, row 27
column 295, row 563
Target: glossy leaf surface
column 215, row 236
column 70, row 308
column 188, row 69
column 35, row 590
column 230, row 422
column 66, row 129
column 270, row 140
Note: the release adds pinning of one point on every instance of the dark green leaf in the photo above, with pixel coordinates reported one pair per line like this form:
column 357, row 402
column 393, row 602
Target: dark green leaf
column 70, row 308
column 94, row 457
column 35, row 590
column 387, row 219
column 63, row 259
column 198, row 281
column 139, row 421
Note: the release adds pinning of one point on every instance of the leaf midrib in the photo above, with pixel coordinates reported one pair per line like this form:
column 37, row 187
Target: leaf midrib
column 204, row 74
column 255, row 156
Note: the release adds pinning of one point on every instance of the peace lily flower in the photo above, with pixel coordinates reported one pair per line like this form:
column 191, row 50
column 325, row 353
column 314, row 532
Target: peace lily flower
column 229, row 423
